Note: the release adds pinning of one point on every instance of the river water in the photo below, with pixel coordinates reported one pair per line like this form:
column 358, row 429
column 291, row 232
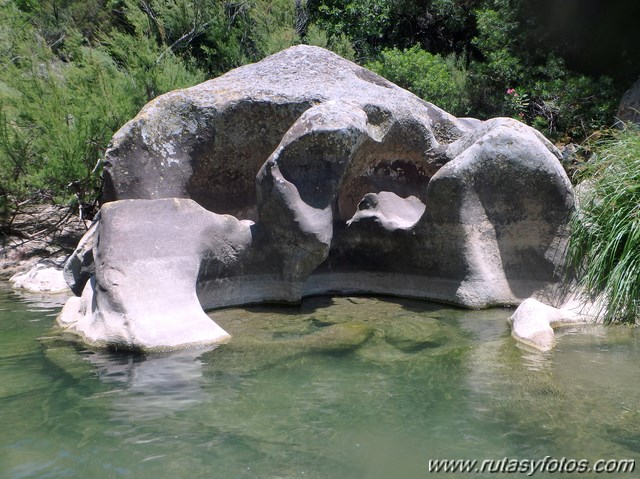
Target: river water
column 333, row 388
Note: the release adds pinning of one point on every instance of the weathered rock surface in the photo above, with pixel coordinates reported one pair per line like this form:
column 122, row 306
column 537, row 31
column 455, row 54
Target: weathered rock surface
column 147, row 259
column 44, row 276
column 336, row 181
column 208, row 142
column 629, row 108
column 492, row 233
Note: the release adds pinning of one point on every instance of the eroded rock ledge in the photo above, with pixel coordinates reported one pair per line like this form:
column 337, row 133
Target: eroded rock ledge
column 307, row 174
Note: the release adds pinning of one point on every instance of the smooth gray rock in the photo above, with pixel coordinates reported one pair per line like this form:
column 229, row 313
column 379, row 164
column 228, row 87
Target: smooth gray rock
column 346, row 184
column 45, row 276
column 629, row 108
column 148, row 255
column 389, row 210
column 500, row 224
column 533, row 322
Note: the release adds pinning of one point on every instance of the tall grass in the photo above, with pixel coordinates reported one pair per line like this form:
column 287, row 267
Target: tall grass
column 604, row 246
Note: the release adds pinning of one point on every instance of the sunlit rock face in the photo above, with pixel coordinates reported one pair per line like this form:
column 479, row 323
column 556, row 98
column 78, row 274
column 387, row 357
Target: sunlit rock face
column 307, row 174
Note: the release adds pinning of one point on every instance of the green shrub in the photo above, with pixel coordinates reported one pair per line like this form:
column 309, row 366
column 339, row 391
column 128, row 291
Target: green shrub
column 274, row 26
column 564, row 104
column 439, row 80
column 364, row 22
column 497, row 29
column 574, row 105
column 58, row 110
column 339, row 44
column 604, row 246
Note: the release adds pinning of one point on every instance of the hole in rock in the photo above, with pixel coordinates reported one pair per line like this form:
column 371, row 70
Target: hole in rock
column 404, row 178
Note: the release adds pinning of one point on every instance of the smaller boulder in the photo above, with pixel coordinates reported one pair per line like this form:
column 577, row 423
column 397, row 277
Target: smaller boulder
column 143, row 297
column 44, row 276
column 533, row 323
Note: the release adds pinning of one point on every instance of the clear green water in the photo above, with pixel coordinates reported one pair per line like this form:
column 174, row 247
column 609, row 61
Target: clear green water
column 335, row 388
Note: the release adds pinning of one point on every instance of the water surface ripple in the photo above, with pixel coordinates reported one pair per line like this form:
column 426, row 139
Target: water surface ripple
column 333, row 388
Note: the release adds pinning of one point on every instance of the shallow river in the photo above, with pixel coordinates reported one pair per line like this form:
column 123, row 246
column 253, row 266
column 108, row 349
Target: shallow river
column 335, row 388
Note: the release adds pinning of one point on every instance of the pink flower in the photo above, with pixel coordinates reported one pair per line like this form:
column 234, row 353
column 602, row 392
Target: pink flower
column 511, row 91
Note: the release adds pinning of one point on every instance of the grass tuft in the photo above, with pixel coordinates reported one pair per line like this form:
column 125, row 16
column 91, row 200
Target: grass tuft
column 604, row 246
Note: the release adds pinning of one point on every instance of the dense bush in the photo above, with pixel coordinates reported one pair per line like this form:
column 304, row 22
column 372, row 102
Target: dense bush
column 439, row 26
column 465, row 55
column 542, row 90
column 363, row 22
column 60, row 104
column 442, row 81
column 604, row 247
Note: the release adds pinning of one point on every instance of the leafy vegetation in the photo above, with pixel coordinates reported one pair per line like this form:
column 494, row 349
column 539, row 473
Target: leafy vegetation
column 442, row 81
column 73, row 71
column 62, row 99
column 604, row 247
column 561, row 103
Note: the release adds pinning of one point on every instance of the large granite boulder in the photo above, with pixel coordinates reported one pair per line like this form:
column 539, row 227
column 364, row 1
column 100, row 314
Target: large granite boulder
column 208, row 142
column 307, row 174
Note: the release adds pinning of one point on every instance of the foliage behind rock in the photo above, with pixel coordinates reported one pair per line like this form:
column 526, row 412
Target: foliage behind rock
column 71, row 73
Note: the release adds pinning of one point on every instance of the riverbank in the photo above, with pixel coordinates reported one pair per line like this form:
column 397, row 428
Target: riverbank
column 39, row 233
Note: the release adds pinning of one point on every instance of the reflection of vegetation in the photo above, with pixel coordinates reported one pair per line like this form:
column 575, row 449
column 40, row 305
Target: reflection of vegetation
column 605, row 240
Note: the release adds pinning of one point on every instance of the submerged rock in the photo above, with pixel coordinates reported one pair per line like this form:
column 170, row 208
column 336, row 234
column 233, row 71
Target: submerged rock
column 381, row 330
column 306, row 174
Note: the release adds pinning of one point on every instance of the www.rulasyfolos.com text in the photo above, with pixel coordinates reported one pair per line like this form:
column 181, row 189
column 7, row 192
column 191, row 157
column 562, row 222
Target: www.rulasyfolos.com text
column 547, row 464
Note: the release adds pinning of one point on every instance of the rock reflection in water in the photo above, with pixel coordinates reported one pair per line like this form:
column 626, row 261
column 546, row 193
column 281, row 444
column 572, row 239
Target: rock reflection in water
column 39, row 301
column 153, row 385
